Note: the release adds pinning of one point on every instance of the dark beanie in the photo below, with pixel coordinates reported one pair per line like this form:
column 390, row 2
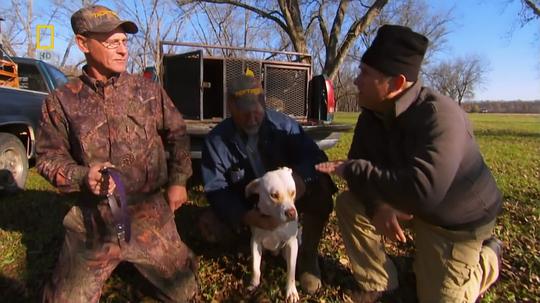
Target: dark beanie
column 397, row 50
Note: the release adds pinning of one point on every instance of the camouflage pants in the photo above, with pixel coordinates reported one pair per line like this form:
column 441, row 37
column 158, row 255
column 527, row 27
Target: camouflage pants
column 91, row 251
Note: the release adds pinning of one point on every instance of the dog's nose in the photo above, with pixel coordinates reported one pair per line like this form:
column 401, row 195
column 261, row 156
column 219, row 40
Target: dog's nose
column 290, row 213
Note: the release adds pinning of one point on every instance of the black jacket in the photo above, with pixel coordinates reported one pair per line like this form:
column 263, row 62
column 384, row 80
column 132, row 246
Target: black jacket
column 424, row 161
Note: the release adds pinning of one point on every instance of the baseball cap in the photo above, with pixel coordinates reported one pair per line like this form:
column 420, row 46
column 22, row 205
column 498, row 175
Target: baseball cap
column 99, row 19
column 246, row 92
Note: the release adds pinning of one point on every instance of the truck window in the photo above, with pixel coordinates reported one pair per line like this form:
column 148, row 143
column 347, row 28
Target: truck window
column 58, row 77
column 30, row 78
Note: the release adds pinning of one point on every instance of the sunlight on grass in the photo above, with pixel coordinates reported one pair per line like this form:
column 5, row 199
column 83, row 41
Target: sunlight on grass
column 31, row 230
column 510, row 145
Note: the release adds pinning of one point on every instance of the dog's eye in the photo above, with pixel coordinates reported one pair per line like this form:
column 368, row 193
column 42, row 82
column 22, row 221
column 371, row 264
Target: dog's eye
column 292, row 193
column 275, row 195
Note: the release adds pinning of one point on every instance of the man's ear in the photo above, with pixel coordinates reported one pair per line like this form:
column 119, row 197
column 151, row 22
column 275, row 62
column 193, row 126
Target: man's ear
column 252, row 188
column 82, row 43
column 397, row 85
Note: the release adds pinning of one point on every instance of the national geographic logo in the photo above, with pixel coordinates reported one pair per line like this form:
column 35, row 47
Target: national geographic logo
column 47, row 31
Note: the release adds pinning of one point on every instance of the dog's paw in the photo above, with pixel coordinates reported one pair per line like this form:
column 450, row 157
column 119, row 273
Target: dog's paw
column 292, row 295
column 253, row 286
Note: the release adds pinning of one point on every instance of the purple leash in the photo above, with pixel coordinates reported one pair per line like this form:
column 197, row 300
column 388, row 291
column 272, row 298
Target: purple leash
column 120, row 213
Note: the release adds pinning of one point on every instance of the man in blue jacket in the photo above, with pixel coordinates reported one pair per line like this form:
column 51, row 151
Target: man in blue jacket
column 249, row 143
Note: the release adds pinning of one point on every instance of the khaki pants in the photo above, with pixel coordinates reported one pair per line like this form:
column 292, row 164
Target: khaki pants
column 450, row 265
column 91, row 252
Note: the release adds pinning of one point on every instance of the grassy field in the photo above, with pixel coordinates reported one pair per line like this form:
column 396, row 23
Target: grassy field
column 31, row 233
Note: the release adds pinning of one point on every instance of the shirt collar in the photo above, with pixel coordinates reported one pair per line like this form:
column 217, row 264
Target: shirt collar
column 97, row 85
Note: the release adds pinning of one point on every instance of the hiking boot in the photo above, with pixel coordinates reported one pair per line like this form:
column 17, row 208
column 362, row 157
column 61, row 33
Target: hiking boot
column 497, row 246
column 362, row 296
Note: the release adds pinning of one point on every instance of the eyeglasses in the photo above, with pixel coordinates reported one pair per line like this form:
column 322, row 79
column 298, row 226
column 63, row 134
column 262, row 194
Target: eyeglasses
column 109, row 44
column 113, row 44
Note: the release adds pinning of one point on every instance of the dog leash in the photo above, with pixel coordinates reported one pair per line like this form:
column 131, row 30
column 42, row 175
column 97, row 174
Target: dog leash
column 121, row 220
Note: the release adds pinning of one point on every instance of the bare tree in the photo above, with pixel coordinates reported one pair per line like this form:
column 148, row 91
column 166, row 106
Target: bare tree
column 10, row 37
column 415, row 14
column 213, row 25
column 458, row 78
column 530, row 10
column 157, row 20
column 295, row 18
column 24, row 19
column 229, row 25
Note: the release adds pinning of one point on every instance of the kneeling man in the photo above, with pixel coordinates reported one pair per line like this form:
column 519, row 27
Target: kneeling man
column 255, row 140
column 414, row 158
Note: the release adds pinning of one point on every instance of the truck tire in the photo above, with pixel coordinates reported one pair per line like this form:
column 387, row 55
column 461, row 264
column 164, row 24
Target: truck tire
column 13, row 163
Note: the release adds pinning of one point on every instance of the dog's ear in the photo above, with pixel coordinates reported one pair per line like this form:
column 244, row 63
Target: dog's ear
column 287, row 169
column 252, row 188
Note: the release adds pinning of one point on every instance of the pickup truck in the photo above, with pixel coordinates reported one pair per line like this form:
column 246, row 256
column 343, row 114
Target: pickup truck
column 203, row 78
column 19, row 118
column 197, row 85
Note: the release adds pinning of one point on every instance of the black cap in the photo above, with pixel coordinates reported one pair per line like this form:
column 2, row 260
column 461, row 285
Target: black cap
column 397, row 50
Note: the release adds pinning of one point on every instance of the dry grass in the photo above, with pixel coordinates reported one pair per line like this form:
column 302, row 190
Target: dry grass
column 31, row 233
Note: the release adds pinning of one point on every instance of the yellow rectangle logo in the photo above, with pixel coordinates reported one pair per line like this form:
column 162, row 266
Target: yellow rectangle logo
column 39, row 29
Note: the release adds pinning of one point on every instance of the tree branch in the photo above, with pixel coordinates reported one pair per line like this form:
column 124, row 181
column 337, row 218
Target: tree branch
column 336, row 26
column 535, row 8
column 322, row 25
column 294, row 27
column 356, row 28
column 260, row 12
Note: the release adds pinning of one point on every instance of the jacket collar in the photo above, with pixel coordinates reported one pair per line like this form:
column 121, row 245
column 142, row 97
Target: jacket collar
column 405, row 101
column 401, row 104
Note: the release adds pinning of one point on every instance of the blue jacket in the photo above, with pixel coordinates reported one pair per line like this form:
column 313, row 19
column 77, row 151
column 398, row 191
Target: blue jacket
column 226, row 169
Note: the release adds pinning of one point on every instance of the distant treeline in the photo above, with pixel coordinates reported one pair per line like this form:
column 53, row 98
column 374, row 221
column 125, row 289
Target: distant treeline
column 520, row 107
column 349, row 104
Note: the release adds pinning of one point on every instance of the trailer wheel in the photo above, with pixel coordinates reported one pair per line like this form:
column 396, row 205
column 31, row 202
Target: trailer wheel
column 13, row 163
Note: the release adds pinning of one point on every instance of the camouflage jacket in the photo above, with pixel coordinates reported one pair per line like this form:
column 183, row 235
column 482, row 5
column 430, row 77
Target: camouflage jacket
column 128, row 121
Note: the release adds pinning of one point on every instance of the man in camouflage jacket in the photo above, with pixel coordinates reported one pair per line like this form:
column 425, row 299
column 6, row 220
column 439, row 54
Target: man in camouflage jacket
column 109, row 118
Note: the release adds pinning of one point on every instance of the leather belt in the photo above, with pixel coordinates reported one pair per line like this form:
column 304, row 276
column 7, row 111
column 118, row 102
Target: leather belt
column 121, row 220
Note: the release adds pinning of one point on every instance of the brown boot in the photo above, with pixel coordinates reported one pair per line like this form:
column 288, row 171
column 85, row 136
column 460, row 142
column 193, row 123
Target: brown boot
column 360, row 296
column 309, row 271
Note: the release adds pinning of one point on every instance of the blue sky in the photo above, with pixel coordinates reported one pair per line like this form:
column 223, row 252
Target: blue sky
column 491, row 29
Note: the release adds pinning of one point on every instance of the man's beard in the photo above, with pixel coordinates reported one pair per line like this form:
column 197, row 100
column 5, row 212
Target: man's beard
column 252, row 130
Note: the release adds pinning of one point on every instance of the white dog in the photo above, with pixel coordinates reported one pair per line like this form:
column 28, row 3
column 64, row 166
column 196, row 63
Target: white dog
column 276, row 192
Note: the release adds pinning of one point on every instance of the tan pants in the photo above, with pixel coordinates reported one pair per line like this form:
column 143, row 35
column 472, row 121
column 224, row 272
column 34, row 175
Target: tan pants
column 450, row 265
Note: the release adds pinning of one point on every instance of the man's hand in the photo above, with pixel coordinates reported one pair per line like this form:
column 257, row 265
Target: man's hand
column 332, row 167
column 255, row 218
column 176, row 196
column 386, row 221
column 95, row 180
column 300, row 185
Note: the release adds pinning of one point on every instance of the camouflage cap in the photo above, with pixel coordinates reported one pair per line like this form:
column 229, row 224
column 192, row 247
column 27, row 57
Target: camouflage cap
column 99, row 19
column 246, row 91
